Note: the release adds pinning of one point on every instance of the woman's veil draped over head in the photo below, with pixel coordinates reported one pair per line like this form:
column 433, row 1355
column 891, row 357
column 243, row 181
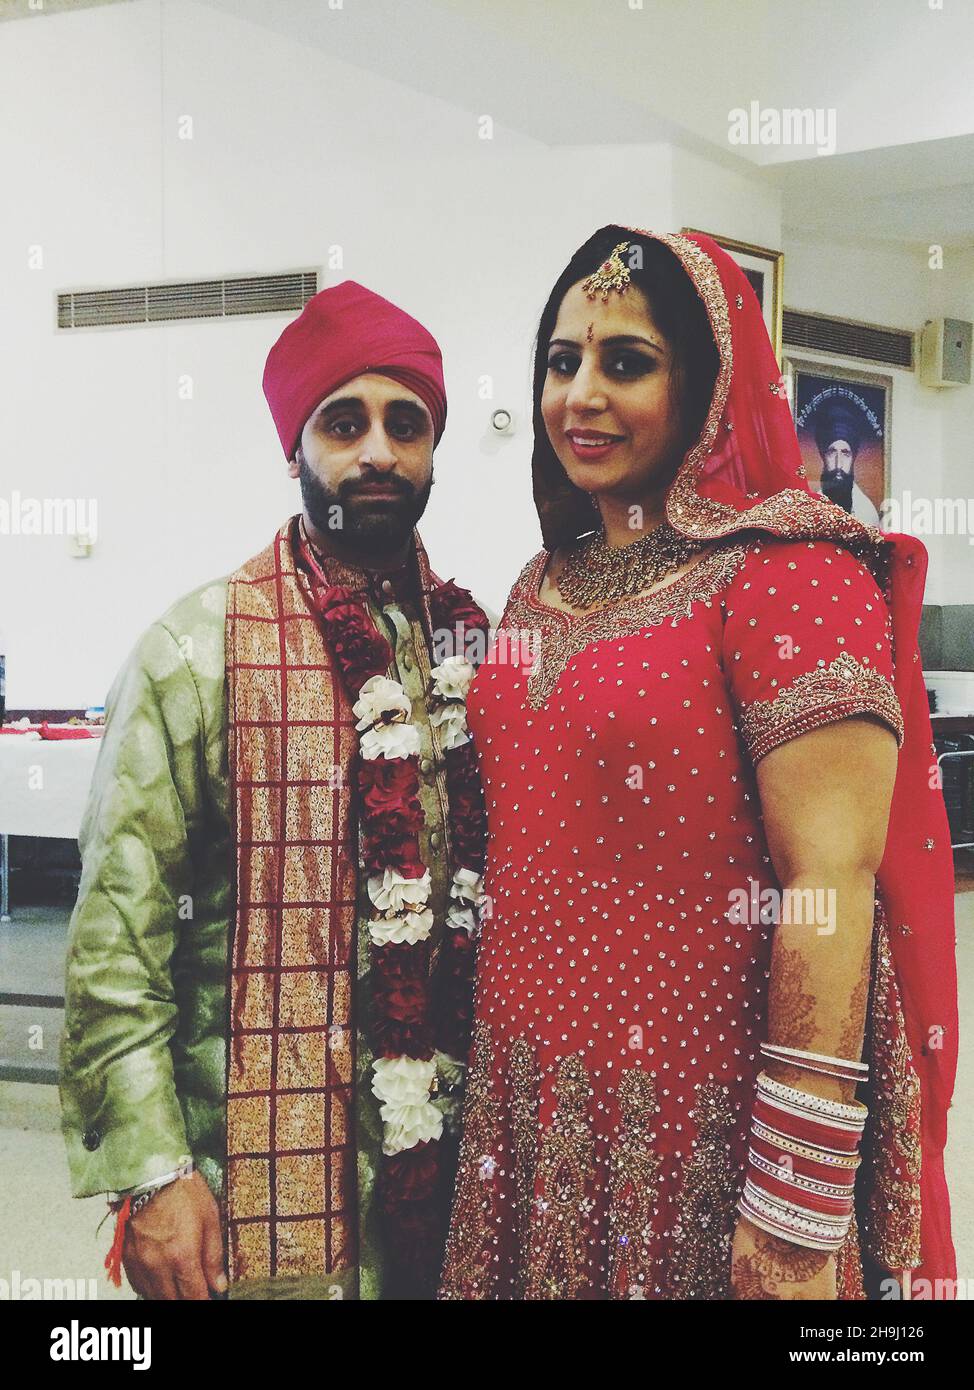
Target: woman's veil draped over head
column 744, row 473
column 744, row 470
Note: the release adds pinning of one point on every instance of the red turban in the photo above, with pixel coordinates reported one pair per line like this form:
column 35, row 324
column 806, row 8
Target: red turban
column 340, row 333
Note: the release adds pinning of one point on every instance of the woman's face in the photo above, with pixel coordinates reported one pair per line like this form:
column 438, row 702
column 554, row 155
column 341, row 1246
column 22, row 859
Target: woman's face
column 608, row 403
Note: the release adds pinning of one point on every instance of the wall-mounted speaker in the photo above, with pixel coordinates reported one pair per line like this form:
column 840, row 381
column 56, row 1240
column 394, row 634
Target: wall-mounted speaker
column 945, row 353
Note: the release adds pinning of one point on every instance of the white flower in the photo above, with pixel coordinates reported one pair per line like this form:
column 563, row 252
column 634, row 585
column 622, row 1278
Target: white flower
column 403, row 1085
column 451, row 679
column 462, row 919
column 408, row 927
column 381, row 698
column 406, row 1126
column 390, row 741
column 393, row 893
column 383, row 711
column 402, row 1080
column 452, row 720
column 468, row 886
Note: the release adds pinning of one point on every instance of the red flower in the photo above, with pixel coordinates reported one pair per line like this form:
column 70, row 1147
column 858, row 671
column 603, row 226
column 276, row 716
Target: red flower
column 401, row 1023
column 357, row 645
column 388, row 784
column 453, row 994
column 410, row 1176
column 452, row 608
column 401, row 853
column 468, row 815
column 450, row 605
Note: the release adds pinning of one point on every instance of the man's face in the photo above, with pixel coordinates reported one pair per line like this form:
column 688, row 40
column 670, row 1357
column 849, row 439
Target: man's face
column 365, row 462
column 838, row 457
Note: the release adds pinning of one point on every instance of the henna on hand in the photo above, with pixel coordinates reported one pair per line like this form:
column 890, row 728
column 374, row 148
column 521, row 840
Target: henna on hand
column 773, row 1263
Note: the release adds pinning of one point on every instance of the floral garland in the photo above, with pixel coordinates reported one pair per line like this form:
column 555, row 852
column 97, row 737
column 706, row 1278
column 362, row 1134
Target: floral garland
column 420, row 1027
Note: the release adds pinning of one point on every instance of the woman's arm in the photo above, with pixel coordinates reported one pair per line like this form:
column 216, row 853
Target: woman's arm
column 825, row 797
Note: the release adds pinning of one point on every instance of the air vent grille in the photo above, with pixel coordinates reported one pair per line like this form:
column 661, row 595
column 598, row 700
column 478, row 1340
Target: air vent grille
column 187, row 299
column 893, row 347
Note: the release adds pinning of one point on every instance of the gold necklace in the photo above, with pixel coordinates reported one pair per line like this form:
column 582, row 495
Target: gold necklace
column 596, row 572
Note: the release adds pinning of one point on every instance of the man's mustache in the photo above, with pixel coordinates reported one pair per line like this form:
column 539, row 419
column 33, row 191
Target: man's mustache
column 388, row 484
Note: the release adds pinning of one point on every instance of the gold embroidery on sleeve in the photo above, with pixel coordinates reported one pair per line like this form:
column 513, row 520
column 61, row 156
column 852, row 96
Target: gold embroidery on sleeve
column 821, row 696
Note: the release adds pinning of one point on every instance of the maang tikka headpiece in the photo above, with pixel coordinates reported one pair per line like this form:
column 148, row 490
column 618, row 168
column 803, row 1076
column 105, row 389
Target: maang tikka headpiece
column 612, row 274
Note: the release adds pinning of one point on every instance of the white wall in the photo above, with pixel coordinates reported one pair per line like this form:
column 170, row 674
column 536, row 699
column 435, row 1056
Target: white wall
column 957, row 405
column 292, row 154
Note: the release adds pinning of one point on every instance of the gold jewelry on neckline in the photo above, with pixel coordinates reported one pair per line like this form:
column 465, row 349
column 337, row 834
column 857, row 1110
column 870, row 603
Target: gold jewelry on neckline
column 612, row 274
column 597, row 573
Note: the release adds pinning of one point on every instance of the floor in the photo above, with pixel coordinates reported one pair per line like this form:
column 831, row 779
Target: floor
column 46, row 1234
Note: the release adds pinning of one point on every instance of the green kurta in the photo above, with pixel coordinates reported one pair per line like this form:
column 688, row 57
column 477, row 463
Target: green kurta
column 143, row 1062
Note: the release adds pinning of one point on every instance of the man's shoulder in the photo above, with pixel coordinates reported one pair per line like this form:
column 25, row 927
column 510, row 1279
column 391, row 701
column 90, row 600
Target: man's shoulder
column 189, row 634
column 204, row 606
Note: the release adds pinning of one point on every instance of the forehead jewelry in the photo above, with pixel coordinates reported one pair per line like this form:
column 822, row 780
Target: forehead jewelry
column 612, row 274
column 589, row 335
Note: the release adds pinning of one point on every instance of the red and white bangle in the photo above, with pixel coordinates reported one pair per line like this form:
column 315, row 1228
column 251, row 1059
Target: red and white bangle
column 801, row 1165
column 841, row 1068
column 819, row 1105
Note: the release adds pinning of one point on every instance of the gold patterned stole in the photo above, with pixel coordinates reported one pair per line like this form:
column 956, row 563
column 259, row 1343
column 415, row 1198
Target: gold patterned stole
column 291, row 1152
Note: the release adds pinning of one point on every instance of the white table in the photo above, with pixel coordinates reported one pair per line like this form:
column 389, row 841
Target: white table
column 44, row 785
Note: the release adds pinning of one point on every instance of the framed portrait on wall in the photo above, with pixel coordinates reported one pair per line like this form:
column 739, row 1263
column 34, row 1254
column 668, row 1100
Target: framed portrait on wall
column 843, row 421
column 765, row 271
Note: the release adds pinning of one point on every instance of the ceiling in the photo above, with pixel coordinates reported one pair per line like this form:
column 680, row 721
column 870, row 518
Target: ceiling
column 896, row 74
column 24, row 9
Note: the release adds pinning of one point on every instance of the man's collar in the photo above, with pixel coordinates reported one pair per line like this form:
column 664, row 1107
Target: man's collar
column 396, row 583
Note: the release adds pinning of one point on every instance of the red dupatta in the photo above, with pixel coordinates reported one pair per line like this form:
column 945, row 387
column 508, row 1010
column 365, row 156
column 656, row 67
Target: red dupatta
column 744, row 473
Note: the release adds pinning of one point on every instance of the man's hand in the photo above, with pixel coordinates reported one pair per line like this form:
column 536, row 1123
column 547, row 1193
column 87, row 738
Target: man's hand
column 766, row 1267
column 173, row 1246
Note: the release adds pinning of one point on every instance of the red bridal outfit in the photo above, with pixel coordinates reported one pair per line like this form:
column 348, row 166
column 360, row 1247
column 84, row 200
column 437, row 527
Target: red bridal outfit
column 620, row 999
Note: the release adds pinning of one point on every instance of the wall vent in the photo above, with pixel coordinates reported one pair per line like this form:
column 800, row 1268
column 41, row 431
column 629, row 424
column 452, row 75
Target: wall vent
column 187, row 299
column 892, row 347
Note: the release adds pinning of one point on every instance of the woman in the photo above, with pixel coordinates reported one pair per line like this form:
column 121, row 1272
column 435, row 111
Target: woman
column 674, row 1062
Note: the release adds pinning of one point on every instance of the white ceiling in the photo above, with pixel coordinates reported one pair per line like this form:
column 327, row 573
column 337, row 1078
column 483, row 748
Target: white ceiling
column 24, row 9
column 897, row 74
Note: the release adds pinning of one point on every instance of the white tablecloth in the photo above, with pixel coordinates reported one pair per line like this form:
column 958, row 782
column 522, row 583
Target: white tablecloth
column 44, row 785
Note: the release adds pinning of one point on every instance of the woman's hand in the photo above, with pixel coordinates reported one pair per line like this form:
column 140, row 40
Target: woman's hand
column 764, row 1266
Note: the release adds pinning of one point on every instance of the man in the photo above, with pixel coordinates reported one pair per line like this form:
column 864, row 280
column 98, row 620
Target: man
column 838, row 435
column 259, row 1053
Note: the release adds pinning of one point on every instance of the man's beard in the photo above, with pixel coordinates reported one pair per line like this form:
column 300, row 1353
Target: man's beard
column 358, row 520
column 837, row 487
